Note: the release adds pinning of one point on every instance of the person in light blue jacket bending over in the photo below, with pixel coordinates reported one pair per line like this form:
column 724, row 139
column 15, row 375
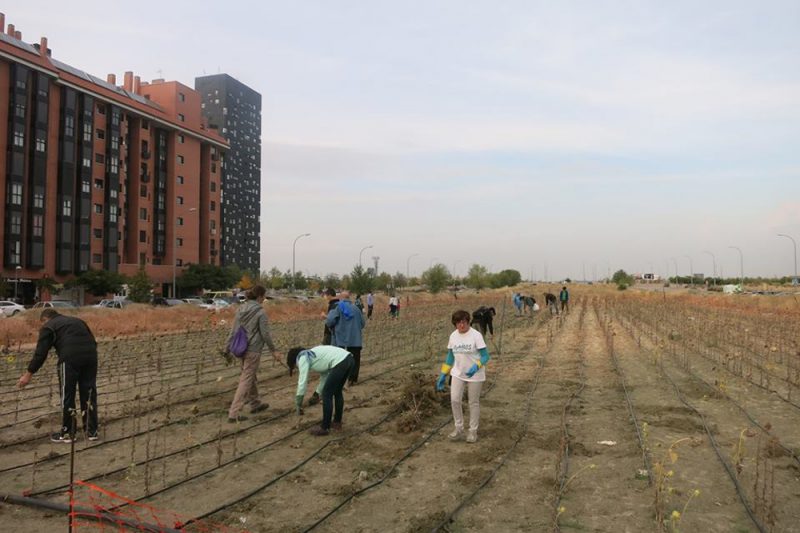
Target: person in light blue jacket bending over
column 334, row 365
column 466, row 358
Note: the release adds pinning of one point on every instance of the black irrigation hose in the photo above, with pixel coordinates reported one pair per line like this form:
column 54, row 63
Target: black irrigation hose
column 618, row 370
column 715, row 446
column 86, row 512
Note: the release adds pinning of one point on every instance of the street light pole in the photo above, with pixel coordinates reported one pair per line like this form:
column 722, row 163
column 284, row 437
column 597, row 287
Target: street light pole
column 795, row 254
column 16, row 281
column 407, row 264
column 361, row 252
column 675, row 261
column 741, row 264
column 293, row 249
column 175, row 248
column 713, row 264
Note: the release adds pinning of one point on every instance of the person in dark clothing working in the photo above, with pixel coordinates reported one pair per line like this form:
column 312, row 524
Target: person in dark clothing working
column 333, row 301
column 77, row 365
column 482, row 316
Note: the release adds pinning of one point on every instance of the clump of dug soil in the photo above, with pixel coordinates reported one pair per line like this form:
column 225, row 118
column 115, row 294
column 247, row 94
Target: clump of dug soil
column 418, row 401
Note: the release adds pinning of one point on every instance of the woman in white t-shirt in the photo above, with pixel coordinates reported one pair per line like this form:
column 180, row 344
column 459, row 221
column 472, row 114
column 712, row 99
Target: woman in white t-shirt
column 466, row 358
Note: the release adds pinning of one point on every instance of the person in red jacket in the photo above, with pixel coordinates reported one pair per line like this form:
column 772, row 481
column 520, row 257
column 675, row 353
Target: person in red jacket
column 77, row 365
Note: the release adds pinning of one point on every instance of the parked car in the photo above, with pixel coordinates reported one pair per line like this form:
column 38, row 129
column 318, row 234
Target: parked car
column 54, row 304
column 215, row 304
column 102, row 303
column 10, row 308
column 193, row 301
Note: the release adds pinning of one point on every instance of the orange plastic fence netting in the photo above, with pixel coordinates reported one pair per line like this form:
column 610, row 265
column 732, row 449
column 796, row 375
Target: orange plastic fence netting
column 96, row 508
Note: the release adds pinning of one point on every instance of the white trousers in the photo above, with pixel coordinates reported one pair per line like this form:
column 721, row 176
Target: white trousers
column 474, row 395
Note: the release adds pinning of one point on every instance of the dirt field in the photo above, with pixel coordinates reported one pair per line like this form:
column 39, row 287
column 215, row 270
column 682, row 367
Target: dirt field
column 632, row 412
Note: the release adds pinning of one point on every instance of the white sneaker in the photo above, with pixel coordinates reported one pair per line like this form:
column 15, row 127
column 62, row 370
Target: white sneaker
column 457, row 434
column 472, row 435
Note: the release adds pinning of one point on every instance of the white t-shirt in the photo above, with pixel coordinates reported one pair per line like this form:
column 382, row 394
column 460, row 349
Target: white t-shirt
column 466, row 348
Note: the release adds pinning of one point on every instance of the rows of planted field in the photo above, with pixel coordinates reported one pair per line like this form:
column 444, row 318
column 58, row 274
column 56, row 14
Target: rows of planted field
column 628, row 413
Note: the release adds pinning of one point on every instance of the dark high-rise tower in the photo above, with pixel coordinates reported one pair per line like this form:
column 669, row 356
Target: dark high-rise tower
column 235, row 110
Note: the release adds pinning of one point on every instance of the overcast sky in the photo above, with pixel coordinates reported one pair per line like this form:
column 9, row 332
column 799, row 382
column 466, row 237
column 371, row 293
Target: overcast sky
column 513, row 134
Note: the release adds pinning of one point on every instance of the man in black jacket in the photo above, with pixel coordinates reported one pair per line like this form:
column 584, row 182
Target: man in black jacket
column 483, row 316
column 333, row 301
column 77, row 365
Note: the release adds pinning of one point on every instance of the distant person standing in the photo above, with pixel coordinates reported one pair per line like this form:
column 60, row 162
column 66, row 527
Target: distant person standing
column 330, row 295
column 370, row 304
column 393, row 306
column 359, row 303
column 77, row 365
column 563, row 296
column 346, row 322
column 251, row 316
column 518, row 303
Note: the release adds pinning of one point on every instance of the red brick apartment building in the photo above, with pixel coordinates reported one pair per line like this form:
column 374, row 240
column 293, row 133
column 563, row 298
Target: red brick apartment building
column 101, row 176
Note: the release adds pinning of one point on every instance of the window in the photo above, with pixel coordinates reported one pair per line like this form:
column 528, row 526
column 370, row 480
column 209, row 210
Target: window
column 160, row 201
column 87, row 132
column 87, row 162
column 19, row 110
column 16, row 194
column 213, row 186
column 115, row 143
column 213, row 224
column 98, row 233
column 21, row 84
column 100, row 158
column 16, row 223
column 213, row 167
column 66, row 208
column 181, row 97
column 97, row 258
column 179, row 199
column 98, row 208
column 38, row 198
column 69, row 126
column 180, row 221
column 85, row 187
column 113, row 193
column 181, row 138
column 180, row 180
column 179, row 262
column 180, row 159
column 142, row 213
column 113, row 211
column 38, row 225
column 101, row 109
column 142, row 236
column 19, row 138
column 143, row 191
column 40, row 144
column 115, row 117
column 101, row 134
column 145, row 125
column 98, row 184
column 113, row 164
column 16, row 253
column 181, row 117
column 180, row 241
column 213, row 206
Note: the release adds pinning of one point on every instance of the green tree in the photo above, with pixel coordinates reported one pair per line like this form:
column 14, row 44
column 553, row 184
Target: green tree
column 209, row 277
column 505, row 278
column 360, row 282
column 101, row 282
column 274, row 279
column 333, row 281
column 384, row 281
column 399, row 280
column 477, row 277
column 139, row 287
column 436, row 278
column 622, row 279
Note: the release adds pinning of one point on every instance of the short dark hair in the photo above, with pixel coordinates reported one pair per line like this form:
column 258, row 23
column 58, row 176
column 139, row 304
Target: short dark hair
column 291, row 358
column 255, row 292
column 48, row 314
column 330, row 292
column 460, row 315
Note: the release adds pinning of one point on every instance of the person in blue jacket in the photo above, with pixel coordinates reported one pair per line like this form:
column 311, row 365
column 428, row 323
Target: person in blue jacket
column 466, row 360
column 346, row 322
column 334, row 365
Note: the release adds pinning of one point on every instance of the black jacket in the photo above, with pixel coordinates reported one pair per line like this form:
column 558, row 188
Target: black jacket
column 72, row 339
column 327, row 335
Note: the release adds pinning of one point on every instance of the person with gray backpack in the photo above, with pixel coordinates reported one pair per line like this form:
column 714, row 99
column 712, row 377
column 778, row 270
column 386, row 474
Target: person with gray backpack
column 250, row 320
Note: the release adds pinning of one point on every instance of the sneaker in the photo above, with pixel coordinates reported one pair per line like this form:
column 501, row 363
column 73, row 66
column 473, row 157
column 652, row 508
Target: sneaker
column 60, row 437
column 93, row 436
column 472, row 435
column 336, row 426
column 318, row 431
column 260, row 407
column 235, row 419
column 457, row 434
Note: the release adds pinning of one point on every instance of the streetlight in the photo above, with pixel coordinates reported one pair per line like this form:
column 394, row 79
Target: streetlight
column 795, row 255
column 713, row 264
column 407, row 264
column 691, row 269
column 455, row 263
column 741, row 264
column 293, row 246
column 675, row 261
column 16, row 281
column 175, row 249
column 361, row 252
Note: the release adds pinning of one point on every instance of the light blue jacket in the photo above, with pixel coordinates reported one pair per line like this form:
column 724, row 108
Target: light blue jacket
column 346, row 322
column 319, row 359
